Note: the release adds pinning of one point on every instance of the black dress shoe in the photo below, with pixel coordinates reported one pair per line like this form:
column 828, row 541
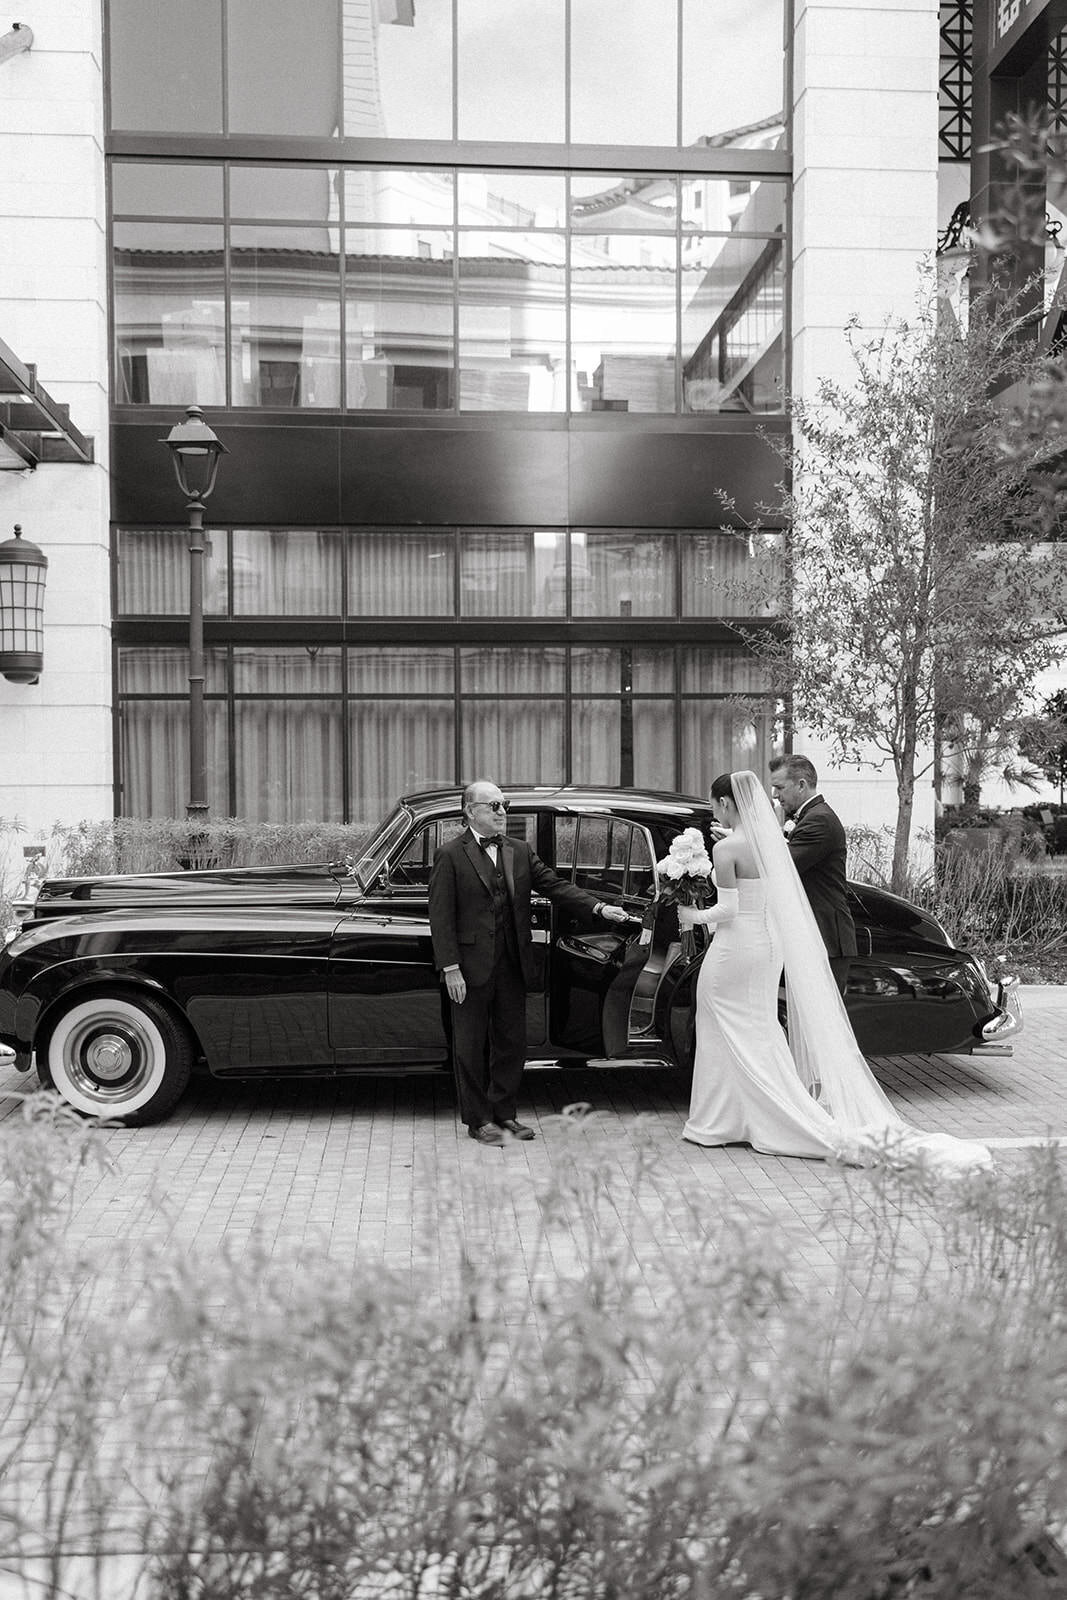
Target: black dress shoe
column 488, row 1133
column 519, row 1130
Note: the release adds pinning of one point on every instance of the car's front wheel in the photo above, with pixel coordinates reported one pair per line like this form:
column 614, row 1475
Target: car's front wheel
column 118, row 1057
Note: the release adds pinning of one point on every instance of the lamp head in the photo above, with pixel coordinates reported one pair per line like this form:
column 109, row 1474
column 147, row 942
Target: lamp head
column 195, row 450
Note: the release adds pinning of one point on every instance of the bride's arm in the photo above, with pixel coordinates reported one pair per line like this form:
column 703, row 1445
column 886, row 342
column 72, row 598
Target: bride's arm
column 726, row 907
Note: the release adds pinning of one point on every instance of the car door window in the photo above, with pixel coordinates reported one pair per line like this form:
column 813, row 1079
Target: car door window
column 606, row 855
column 411, row 869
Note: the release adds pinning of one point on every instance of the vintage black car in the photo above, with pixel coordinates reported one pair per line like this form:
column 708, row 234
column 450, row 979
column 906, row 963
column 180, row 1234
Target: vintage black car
column 120, row 986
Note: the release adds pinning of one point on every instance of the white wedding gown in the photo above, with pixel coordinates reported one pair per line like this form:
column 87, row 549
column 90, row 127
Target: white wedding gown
column 745, row 1084
column 747, row 1087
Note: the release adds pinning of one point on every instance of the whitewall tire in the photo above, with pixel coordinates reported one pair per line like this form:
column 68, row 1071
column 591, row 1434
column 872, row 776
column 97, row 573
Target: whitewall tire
column 114, row 1056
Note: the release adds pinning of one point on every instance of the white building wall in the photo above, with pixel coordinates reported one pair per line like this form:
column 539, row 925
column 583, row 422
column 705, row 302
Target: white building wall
column 865, row 80
column 56, row 735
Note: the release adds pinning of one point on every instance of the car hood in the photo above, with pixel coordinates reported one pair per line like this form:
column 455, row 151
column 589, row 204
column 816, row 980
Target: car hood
column 319, row 884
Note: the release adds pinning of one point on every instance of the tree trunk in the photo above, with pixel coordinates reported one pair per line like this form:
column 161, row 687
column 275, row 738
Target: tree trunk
column 902, row 836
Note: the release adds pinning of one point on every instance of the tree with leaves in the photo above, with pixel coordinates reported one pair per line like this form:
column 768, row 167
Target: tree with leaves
column 920, row 583
column 1044, row 740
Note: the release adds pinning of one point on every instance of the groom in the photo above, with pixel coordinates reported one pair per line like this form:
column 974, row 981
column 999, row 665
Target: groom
column 817, row 845
column 480, row 889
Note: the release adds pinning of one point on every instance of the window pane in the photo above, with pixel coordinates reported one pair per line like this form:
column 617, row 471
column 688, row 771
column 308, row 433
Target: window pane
column 733, row 71
column 285, row 312
column 154, row 736
column 289, row 761
column 732, row 205
column 158, row 189
column 400, row 197
column 422, row 670
column 644, row 201
column 512, row 199
column 624, row 71
column 722, row 671
column 732, row 574
column 513, row 574
column 285, row 193
column 187, row 97
column 152, row 572
column 287, row 572
column 511, row 70
column 719, row 737
column 623, row 321
column 399, row 311
column 401, row 572
column 516, row 672
column 397, row 747
column 512, row 322
column 283, row 66
column 526, row 748
column 164, row 669
column 622, row 574
column 169, row 285
column 398, row 71
column 598, row 670
column 733, row 301
column 295, row 669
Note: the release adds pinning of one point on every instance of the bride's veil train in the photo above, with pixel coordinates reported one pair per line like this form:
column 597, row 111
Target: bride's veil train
column 820, row 1035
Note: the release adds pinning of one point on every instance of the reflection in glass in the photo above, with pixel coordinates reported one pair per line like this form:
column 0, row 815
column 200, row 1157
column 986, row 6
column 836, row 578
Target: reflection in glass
column 154, row 756
column 622, row 573
column 283, row 75
column 160, row 189
column 597, row 669
column 733, row 72
column 287, row 669
column 400, row 197
column 285, row 317
column 732, row 574
column 397, row 59
column 723, row 671
column 399, row 319
column 516, row 742
column 512, row 322
column 513, row 574
column 169, row 286
column 187, row 97
column 397, row 746
column 288, row 760
column 502, row 670
column 733, row 302
column 511, row 70
column 623, row 320
column 152, row 573
column 624, row 73
column 286, row 193
column 512, row 199
column 729, row 205
column 400, row 572
column 644, row 201
column 420, row 670
column 164, row 669
column 286, row 572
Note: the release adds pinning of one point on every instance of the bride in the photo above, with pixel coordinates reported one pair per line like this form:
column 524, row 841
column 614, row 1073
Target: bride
column 815, row 1094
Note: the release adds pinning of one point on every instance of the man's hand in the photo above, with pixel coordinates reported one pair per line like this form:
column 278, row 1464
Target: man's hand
column 457, row 988
column 614, row 913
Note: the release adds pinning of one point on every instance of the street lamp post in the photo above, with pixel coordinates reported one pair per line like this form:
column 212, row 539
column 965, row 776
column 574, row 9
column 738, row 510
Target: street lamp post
column 195, row 450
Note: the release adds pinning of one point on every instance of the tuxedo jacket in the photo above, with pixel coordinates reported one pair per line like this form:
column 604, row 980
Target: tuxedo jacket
column 462, row 923
column 817, row 845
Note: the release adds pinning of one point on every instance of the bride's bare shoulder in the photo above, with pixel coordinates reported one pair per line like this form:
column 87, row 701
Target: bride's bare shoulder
column 736, row 850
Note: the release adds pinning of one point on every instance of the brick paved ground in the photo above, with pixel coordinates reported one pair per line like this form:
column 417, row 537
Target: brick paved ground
column 380, row 1169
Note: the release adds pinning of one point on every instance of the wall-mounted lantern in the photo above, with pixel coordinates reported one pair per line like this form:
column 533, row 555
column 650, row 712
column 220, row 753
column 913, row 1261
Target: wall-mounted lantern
column 22, row 578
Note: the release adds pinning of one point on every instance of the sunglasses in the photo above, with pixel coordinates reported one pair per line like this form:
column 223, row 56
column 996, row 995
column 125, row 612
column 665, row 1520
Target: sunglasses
column 494, row 805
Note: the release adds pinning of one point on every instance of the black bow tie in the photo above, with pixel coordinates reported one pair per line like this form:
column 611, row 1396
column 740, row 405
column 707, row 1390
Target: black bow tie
column 494, row 839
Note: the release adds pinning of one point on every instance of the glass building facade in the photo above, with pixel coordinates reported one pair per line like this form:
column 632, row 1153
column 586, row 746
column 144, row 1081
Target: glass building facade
column 488, row 301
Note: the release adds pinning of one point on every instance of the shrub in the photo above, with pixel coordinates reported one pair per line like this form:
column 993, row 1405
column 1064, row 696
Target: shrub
column 168, row 844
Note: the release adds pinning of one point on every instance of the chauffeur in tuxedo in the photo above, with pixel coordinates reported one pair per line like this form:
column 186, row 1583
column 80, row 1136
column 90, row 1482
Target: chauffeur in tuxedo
column 817, row 844
column 480, row 889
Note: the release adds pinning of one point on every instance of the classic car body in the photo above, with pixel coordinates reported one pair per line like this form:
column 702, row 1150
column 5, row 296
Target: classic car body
column 120, row 986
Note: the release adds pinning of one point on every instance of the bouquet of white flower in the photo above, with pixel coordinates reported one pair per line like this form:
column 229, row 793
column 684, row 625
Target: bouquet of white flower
column 687, row 869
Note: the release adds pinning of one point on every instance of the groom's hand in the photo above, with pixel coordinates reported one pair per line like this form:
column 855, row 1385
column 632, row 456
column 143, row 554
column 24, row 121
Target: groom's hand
column 613, row 913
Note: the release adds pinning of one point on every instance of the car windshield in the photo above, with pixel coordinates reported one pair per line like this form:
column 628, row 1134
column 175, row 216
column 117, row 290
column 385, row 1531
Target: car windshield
column 375, row 853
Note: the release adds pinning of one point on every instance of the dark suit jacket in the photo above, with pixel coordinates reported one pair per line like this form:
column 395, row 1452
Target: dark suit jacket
column 817, row 845
column 462, row 924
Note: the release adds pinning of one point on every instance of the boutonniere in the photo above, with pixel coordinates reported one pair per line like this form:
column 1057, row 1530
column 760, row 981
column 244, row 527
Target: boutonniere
column 788, row 825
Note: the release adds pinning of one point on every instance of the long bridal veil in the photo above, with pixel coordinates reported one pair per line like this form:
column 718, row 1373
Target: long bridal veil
column 820, row 1035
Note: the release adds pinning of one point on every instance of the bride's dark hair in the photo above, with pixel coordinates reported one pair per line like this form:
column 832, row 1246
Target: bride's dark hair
column 723, row 789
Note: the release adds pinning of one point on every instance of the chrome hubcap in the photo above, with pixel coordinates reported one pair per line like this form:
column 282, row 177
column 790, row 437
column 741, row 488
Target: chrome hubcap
column 109, row 1057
